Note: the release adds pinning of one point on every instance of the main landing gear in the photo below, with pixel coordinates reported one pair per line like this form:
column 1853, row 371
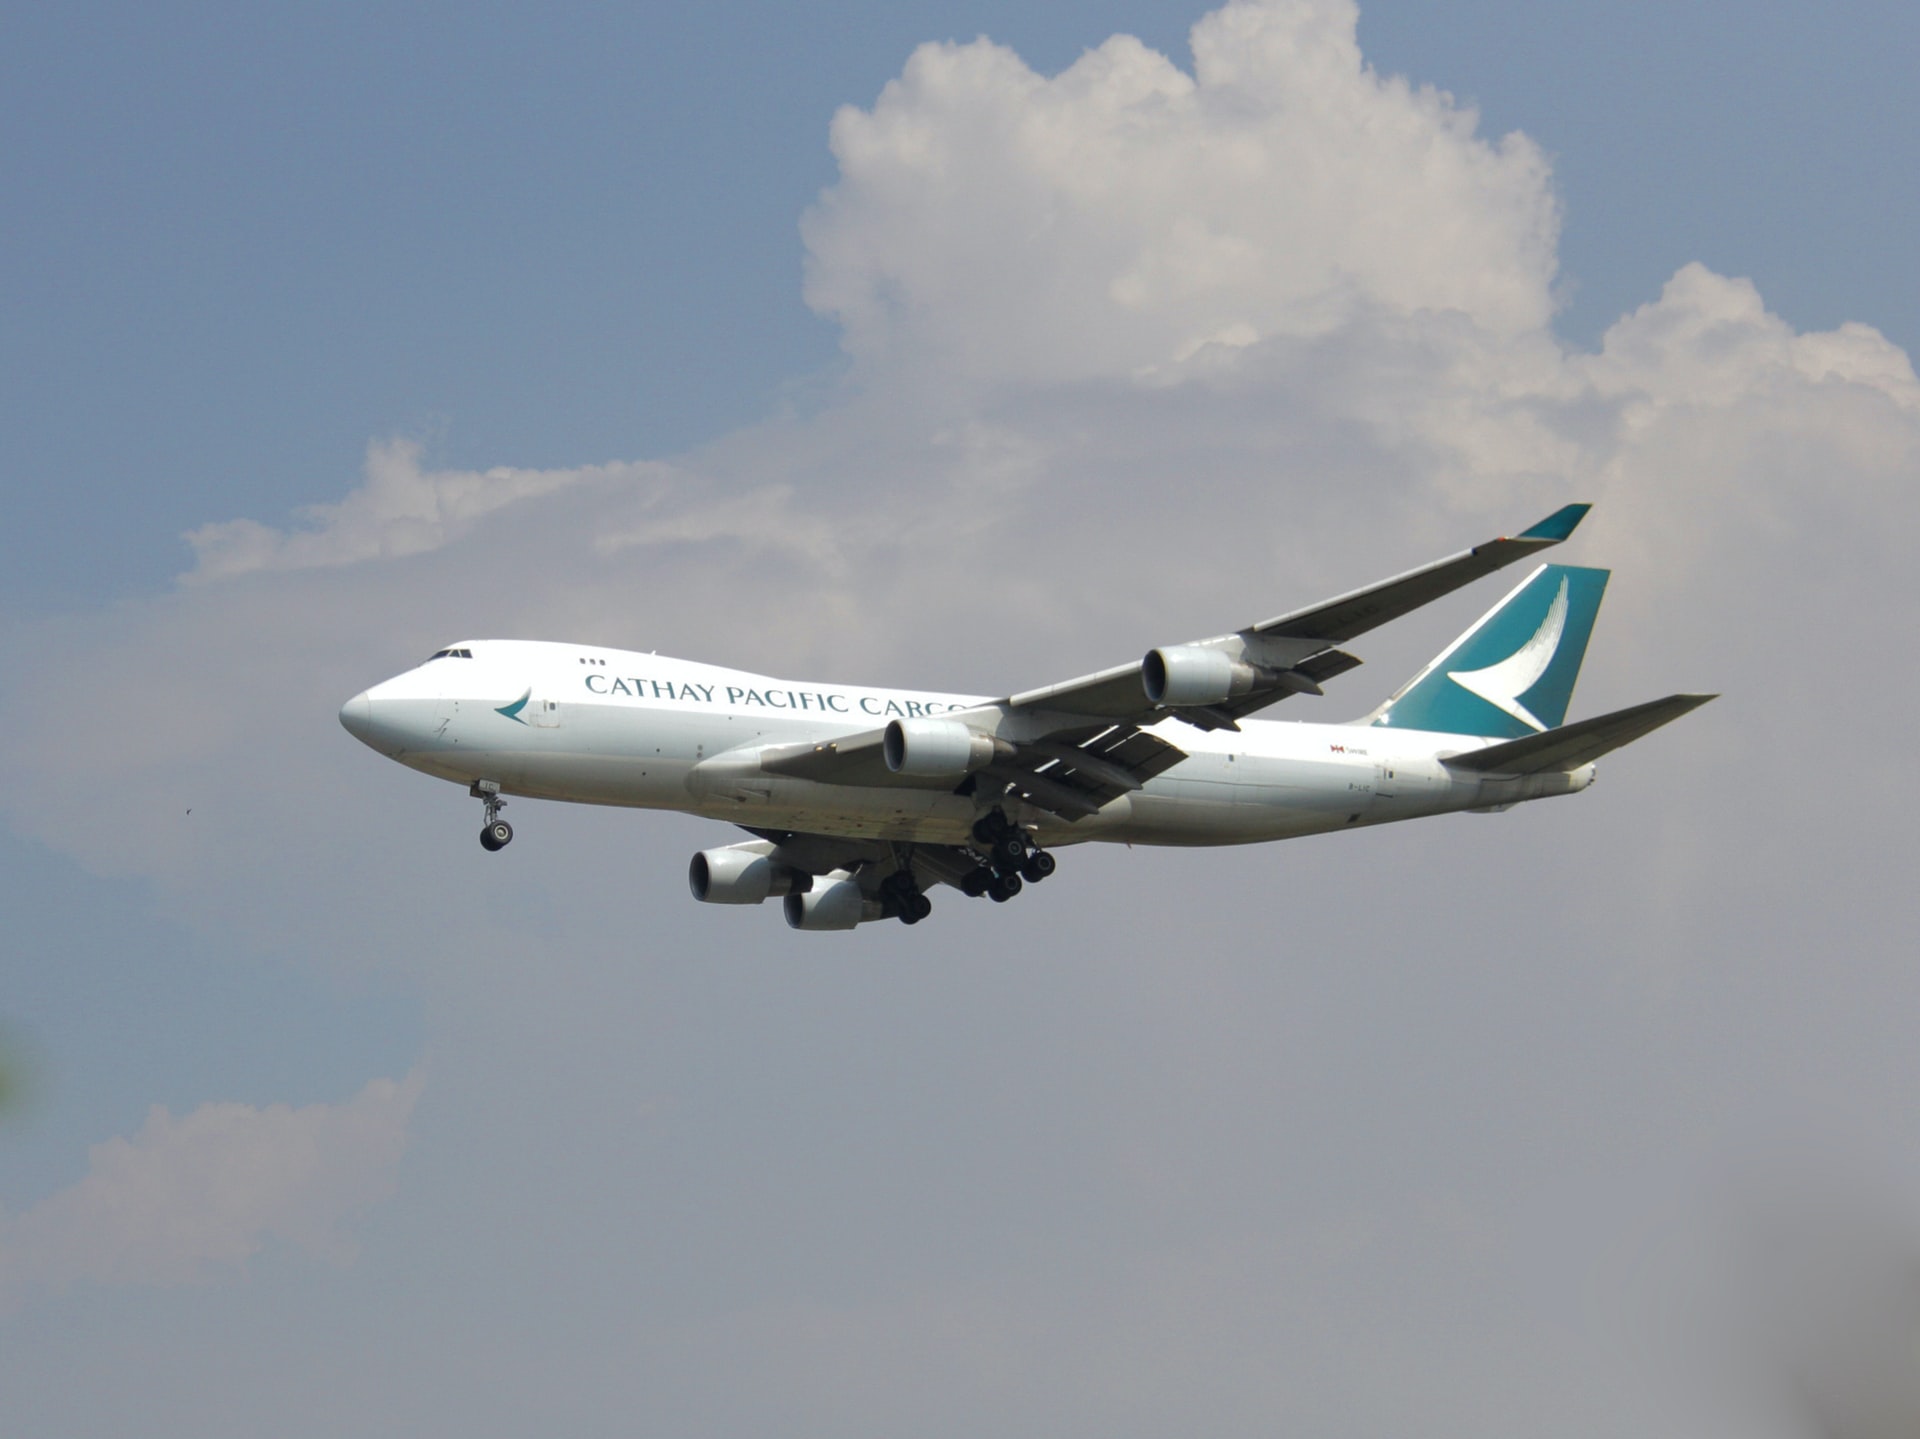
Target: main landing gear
column 1011, row 863
column 903, row 897
column 496, row 833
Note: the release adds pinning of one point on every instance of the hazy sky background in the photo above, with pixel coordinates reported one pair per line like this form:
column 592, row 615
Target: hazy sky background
column 334, row 335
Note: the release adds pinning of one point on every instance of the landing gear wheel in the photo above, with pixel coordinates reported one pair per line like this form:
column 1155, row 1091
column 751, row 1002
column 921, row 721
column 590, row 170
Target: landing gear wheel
column 975, row 882
column 1003, row 888
column 1009, row 852
column 1039, row 865
column 496, row 836
column 903, row 897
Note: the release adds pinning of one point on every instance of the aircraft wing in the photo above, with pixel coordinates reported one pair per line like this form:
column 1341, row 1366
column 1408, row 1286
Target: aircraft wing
column 1071, row 771
column 1295, row 652
column 870, row 861
column 1073, row 747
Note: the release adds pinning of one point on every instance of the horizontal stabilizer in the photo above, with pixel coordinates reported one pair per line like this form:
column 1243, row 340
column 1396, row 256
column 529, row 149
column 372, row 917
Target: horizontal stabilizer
column 1582, row 742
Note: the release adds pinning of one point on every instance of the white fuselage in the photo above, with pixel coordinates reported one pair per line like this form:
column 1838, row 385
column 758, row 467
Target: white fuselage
column 613, row 727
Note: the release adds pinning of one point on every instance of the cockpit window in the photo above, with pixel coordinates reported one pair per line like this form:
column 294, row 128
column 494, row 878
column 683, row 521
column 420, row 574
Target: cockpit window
column 461, row 654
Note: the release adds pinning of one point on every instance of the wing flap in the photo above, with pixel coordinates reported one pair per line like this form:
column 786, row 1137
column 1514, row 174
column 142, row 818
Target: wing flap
column 1097, row 767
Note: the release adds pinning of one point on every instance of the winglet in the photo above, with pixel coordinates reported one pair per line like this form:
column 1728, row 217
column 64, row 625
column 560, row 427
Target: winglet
column 1556, row 526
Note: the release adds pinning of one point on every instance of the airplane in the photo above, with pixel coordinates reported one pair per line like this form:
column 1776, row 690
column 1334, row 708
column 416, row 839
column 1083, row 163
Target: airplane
column 861, row 800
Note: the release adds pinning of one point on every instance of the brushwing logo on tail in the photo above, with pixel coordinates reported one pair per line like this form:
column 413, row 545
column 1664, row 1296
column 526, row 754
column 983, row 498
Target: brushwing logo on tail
column 1502, row 684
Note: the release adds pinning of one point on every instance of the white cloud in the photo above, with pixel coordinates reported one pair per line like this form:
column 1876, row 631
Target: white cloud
column 1004, row 226
column 188, row 1198
column 401, row 509
column 1710, row 340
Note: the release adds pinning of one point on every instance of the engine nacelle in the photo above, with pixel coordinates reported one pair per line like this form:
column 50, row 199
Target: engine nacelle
column 1192, row 675
column 936, row 748
column 742, row 874
column 837, row 905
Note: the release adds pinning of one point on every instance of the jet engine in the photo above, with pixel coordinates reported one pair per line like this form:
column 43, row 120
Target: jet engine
column 938, row 748
column 742, row 874
column 1193, row 675
column 837, row 905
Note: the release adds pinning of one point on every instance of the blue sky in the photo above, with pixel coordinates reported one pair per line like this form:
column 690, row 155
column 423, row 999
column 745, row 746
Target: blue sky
column 1190, row 1140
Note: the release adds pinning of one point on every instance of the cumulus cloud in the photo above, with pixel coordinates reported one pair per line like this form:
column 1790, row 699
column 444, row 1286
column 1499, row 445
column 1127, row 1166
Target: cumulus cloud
column 1123, row 214
column 186, row 1199
column 401, row 509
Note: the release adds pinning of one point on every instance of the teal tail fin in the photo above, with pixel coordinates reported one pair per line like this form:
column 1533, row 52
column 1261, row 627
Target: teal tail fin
column 1512, row 674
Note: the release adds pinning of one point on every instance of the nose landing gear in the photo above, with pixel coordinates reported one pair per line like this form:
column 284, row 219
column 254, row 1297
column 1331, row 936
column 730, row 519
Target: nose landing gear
column 495, row 833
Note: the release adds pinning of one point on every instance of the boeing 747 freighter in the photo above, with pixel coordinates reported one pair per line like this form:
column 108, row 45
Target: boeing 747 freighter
column 862, row 800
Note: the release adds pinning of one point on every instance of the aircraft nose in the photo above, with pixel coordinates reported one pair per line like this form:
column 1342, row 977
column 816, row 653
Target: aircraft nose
column 356, row 716
column 393, row 718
